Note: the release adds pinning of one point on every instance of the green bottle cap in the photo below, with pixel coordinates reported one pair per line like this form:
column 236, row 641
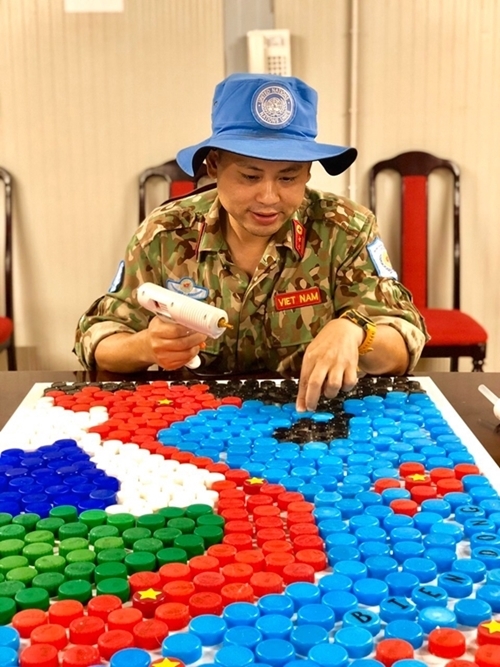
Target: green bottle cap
column 210, row 520
column 150, row 544
column 140, row 561
column 197, row 510
column 110, row 571
column 32, row 598
column 131, row 535
column 114, row 586
column 102, row 531
column 151, row 521
column 75, row 529
column 72, row 544
column 28, row 521
column 11, row 548
column 50, row 564
column 81, row 556
column 209, row 534
column 167, row 535
column 23, row 574
column 2, row 577
column 8, row 589
column 80, row 571
column 108, row 543
column 7, row 610
column 172, row 512
column 5, row 518
column 111, row 556
column 9, row 563
column 122, row 521
column 12, row 531
column 68, row 513
column 183, row 524
column 93, row 518
column 77, row 589
column 193, row 545
column 34, row 551
column 50, row 524
column 50, row 581
column 36, row 536
column 171, row 555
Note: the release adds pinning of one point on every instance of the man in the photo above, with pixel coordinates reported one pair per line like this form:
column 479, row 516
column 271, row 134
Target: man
column 303, row 275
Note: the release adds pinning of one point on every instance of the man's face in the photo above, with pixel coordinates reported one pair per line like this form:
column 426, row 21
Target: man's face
column 259, row 196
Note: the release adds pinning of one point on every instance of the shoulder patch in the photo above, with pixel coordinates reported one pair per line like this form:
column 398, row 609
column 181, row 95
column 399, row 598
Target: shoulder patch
column 380, row 258
column 188, row 287
column 117, row 282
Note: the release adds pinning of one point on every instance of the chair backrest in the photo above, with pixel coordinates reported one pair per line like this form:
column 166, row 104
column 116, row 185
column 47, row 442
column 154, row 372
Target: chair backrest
column 414, row 168
column 6, row 177
column 179, row 182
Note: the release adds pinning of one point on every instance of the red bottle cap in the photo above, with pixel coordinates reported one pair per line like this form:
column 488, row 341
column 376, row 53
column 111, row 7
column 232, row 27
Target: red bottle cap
column 238, row 476
column 411, row 468
column 308, row 542
column 222, row 484
column 27, row 620
column 86, row 630
column 205, row 603
column 237, row 593
column 141, row 581
column 487, row 655
column 174, row 614
column 463, row 469
column 299, row 517
column 150, row 634
column 179, row 591
column 266, row 511
column 209, row 582
column 441, row 473
column 259, row 500
column 447, row 643
column 50, row 633
column 39, row 655
column 238, row 540
column 234, row 513
column 273, row 490
column 266, row 582
column 224, row 553
column 232, row 493
column 218, row 467
column 461, row 663
column 102, row 605
column 253, row 485
column 300, row 506
column 489, row 633
column 230, row 503
column 418, row 479
column 65, row 611
column 124, row 619
column 294, row 572
column 404, row 506
column 273, row 546
column 449, row 486
column 266, row 534
column 199, row 564
column 231, row 400
column 278, row 560
column 284, row 499
column 264, row 522
column 173, row 572
column 303, row 529
column 389, row 651
column 252, row 557
column 386, row 483
column 237, row 573
column 114, row 640
column 80, row 656
column 147, row 601
column 421, row 493
column 244, row 527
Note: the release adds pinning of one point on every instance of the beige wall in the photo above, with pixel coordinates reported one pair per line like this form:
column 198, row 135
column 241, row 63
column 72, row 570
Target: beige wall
column 87, row 101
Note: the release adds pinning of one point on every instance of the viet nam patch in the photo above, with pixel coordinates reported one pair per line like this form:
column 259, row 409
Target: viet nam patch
column 288, row 300
column 380, row 258
column 117, row 282
column 188, row 287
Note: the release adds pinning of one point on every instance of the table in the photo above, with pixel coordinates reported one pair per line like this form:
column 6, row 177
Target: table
column 459, row 388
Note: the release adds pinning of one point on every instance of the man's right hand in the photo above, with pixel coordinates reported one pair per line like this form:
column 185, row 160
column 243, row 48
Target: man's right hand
column 172, row 345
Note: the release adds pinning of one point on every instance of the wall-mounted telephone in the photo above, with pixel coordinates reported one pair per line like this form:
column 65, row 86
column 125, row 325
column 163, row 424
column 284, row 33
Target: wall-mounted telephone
column 269, row 52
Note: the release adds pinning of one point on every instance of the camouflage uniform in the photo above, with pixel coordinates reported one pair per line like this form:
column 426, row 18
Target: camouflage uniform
column 316, row 267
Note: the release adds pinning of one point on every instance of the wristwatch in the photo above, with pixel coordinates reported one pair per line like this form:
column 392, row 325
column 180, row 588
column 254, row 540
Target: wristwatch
column 368, row 326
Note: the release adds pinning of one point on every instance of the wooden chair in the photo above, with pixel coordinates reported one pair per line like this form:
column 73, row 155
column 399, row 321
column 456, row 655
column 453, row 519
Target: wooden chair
column 453, row 333
column 179, row 182
column 7, row 321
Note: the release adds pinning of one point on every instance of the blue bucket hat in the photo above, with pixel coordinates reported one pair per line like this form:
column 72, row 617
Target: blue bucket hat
column 269, row 117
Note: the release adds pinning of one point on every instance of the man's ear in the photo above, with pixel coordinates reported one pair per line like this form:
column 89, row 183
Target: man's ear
column 211, row 161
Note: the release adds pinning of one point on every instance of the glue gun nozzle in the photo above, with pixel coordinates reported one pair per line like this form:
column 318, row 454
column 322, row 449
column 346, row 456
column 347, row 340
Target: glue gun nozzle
column 224, row 324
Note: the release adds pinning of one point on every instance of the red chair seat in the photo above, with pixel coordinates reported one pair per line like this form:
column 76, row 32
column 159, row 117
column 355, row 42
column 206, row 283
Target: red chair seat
column 452, row 327
column 6, row 329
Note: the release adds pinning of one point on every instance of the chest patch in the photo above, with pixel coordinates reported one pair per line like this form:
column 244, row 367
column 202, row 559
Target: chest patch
column 288, row 300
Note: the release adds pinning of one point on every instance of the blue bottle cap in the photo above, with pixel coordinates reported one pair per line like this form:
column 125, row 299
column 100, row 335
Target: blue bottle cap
column 484, row 540
column 472, row 612
column 492, row 577
column 469, row 481
column 303, row 593
column 272, row 603
column 490, row 556
column 326, row 498
column 442, row 557
column 275, row 652
column 186, row 647
column 423, row 568
column 397, row 608
column 424, row 520
column 437, row 506
column 431, row 618
column 371, row 534
column 9, row 637
column 379, row 511
column 349, row 507
column 366, row 662
column 441, row 541
column 275, row 626
column 353, row 569
column 456, row 499
column 397, row 521
column 316, row 614
column 369, row 549
column 379, row 567
column 240, row 613
column 343, row 554
column 475, row 568
column 388, row 495
column 304, row 637
column 363, row 521
column 334, row 582
column 445, row 528
column 333, row 525
column 358, row 642
column 8, row 657
column 401, row 583
column 242, row 635
column 406, row 549
column 362, row 618
column 405, row 533
column 234, row 656
column 130, row 657
column 490, row 593
column 429, row 596
column 370, row 498
column 370, row 592
column 407, row 630
column 341, row 602
column 456, row 584
column 479, row 525
column 209, row 628
column 329, row 655
column 340, row 540
column 410, row 662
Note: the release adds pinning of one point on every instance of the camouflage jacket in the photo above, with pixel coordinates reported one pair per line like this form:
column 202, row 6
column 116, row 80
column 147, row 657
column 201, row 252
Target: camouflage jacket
column 317, row 266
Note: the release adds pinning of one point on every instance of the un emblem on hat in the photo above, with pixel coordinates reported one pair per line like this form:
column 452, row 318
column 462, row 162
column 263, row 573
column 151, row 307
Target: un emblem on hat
column 273, row 106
